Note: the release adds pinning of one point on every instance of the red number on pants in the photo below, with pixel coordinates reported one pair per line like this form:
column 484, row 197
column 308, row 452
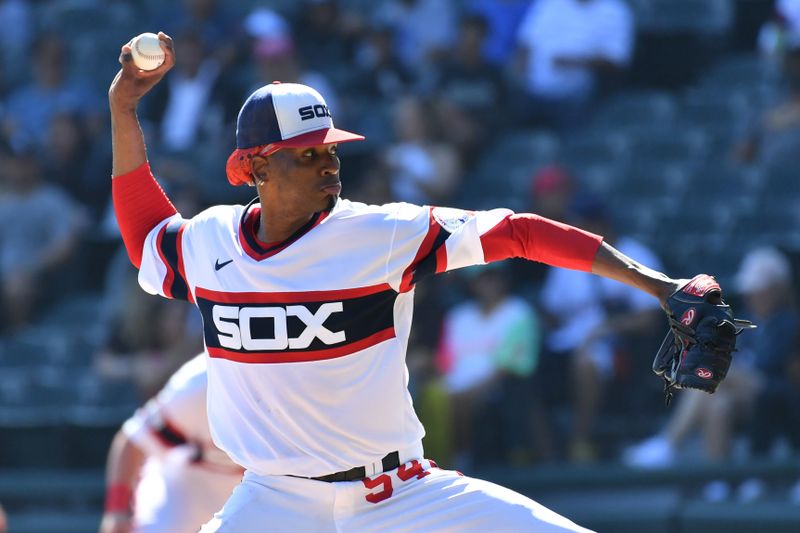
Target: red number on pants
column 384, row 493
column 414, row 470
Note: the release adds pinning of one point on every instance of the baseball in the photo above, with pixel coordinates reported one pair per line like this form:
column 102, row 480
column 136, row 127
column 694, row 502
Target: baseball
column 146, row 51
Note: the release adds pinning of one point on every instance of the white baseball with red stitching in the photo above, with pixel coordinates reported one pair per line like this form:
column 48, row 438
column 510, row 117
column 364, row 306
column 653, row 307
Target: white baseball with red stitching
column 146, row 51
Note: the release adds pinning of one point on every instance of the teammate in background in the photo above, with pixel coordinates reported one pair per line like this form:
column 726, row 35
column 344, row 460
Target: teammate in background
column 164, row 455
column 307, row 300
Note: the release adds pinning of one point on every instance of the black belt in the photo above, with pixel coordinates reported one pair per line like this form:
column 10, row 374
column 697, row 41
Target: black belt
column 390, row 462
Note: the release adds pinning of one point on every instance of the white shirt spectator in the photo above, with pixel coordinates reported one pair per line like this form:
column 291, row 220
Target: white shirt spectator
column 421, row 27
column 555, row 29
column 576, row 298
column 188, row 103
column 790, row 11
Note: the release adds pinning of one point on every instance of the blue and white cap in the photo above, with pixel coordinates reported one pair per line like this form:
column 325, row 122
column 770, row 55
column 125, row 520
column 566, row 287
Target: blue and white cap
column 281, row 115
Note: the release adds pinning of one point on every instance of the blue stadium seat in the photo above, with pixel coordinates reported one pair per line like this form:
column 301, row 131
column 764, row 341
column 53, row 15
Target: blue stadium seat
column 636, row 109
column 670, row 145
column 31, row 419
column 101, row 403
column 502, row 176
column 720, row 179
column 601, row 146
column 781, row 150
column 598, row 177
column 740, row 70
column 697, row 16
column 529, row 145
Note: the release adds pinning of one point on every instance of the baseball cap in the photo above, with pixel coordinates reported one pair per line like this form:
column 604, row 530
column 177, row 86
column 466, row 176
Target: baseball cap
column 281, row 115
column 763, row 268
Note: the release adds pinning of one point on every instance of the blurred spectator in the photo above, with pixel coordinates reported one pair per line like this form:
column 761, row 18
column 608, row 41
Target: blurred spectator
column 3, row 521
column 774, row 134
column 149, row 338
column 216, row 23
column 595, row 326
column 760, row 387
column 30, row 108
column 190, row 108
column 566, row 47
column 39, row 230
column 765, row 280
column 324, row 25
column 552, row 192
column 423, row 170
column 470, row 92
column 374, row 188
column 424, row 29
column 75, row 164
column 551, row 195
column 777, row 33
column 275, row 58
column 16, row 34
column 503, row 18
column 379, row 71
column 427, row 389
column 488, row 352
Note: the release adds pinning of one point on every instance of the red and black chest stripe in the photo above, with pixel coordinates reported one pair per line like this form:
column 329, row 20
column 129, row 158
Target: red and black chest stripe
column 287, row 327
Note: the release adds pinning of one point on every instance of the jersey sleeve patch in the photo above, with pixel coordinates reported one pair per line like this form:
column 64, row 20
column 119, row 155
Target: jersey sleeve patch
column 451, row 219
column 169, row 243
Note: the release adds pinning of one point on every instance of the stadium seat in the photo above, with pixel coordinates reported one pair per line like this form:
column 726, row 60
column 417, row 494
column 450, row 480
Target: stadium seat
column 597, row 146
column 502, row 176
column 598, row 177
column 533, row 145
column 782, row 150
column 720, row 179
column 654, row 179
column 94, row 418
column 670, row 145
column 701, row 108
column 636, row 109
column 31, row 416
column 739, row 70
column 696, row 16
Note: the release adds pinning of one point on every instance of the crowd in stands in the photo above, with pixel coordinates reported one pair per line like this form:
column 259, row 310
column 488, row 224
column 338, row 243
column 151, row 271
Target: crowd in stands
column 558, row 107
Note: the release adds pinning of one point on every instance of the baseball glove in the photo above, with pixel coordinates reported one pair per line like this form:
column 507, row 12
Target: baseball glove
column 697, row 351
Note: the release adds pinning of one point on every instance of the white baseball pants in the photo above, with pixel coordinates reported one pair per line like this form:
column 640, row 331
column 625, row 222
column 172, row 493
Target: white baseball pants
column 416, row 497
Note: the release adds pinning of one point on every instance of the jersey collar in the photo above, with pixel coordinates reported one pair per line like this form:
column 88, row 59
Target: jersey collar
column 255, row 247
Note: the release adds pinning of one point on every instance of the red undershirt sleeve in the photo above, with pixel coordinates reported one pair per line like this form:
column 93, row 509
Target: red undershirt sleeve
column 540, row 239
column 140, row 204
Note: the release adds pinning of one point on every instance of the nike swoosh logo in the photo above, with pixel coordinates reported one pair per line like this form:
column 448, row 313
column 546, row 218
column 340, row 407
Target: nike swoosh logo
column 218, row 265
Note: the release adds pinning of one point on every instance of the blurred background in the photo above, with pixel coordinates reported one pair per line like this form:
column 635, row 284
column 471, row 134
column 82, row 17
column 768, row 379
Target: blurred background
column 672, row 127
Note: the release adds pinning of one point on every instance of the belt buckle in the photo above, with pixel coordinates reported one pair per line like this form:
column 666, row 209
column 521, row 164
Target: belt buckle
column 389, row 462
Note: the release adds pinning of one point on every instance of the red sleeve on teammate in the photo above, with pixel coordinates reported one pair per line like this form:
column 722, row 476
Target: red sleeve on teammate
column 541, row 239
column 140, row 204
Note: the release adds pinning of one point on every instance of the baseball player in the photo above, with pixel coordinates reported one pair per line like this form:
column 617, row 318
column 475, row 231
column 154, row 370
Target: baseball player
column 164, row 475
column 307, row 302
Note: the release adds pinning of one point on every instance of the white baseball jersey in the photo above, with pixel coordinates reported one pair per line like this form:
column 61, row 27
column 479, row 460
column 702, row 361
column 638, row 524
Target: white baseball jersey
column 307, row 338
column 185, row 479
